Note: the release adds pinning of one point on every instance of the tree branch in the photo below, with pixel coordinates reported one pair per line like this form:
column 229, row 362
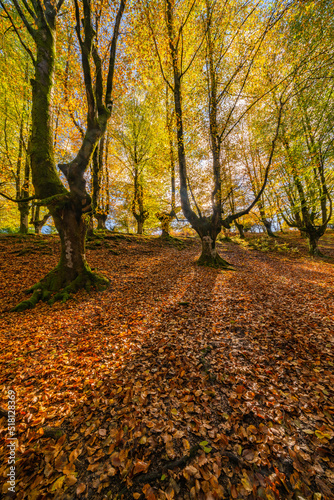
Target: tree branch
column 157, row 49
column 18, row 34
column 15, row 200
column 112, row 58
column 226, row 222
column 30, row 29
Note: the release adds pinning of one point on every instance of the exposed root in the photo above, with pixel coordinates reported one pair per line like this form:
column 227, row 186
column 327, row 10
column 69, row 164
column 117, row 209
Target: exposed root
column 55, row 287
column 216, row 262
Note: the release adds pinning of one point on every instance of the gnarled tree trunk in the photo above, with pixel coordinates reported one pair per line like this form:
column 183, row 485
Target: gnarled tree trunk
column 69, row 209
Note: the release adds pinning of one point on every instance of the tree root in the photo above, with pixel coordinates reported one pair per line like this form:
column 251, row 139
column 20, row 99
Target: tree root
column 55, row 287
column 216, row 262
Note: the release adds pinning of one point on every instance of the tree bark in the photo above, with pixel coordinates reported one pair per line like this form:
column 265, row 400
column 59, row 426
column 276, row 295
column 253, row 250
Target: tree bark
column 267, row 223
column 139, row 227
column 240, row 228
column 313, row 240
column 101, row 221
column 209, row 256
column 24, row 221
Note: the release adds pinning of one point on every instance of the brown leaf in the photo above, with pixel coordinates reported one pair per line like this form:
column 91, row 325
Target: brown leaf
column 81, row 488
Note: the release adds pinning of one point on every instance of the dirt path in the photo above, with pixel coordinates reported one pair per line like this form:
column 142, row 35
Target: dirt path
column 171, row 357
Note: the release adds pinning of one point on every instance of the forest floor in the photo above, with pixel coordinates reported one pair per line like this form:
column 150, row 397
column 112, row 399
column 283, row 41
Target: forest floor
column 178, row 382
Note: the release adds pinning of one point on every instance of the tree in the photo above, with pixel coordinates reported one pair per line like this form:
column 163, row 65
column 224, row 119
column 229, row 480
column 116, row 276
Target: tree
column 306, row 137
column 308, row 182
column 223, row 113
column 135, row 139
column 68, row 206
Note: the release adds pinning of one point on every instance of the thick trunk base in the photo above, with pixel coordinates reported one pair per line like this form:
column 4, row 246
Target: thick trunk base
column 214, row 261
column 56, row 286
column 72, row 273
column 270, row 233
column 209, row 256
column 240, row 228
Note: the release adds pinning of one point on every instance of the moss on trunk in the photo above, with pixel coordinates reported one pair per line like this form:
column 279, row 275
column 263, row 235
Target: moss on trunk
column 73, row 272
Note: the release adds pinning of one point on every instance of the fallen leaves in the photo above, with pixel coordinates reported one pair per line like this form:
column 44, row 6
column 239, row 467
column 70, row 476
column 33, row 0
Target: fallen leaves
column 136, row 384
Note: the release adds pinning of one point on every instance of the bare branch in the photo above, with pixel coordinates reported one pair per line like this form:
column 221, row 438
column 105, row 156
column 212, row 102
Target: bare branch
column 226, row 222
column 19, row 200
column 112, row 59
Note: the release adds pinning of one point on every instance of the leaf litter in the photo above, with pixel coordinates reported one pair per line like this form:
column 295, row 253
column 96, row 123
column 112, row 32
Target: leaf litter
column 178, row 382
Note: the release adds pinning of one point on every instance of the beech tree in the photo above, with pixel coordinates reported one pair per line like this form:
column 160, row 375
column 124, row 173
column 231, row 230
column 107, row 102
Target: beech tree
column 69, row 206
column 221, row 78
column 307, row 178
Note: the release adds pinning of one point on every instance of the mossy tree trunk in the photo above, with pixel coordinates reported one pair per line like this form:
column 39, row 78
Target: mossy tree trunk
column 138, row 210
column 69, row 208
column 100, row 212
column 22, row 187
column 268, row 225
column 313, row 240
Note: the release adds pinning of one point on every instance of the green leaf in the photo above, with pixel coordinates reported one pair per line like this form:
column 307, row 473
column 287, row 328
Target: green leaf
column 163, row 477
column 207, row 449
column 203, row 443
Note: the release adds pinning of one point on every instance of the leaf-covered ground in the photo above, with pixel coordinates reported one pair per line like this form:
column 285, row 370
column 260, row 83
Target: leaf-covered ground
column 178, row 382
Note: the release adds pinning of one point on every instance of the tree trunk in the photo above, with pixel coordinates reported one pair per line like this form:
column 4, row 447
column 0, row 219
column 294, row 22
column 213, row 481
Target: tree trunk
column 165, row 223
column 69, row 208
column 240, row 228
column 24, row 223
column 140, row 227
column 90, row 227
column 72, row 271
column 313, row 240
column 101, row 221
column 267, row 224
column 209, row 256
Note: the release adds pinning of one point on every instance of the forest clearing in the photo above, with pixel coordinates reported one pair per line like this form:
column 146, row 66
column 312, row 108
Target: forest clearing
column 178, row 381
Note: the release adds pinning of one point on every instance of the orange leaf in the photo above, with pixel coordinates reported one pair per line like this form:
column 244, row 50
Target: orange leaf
column 149, row 492
column 140, row 467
